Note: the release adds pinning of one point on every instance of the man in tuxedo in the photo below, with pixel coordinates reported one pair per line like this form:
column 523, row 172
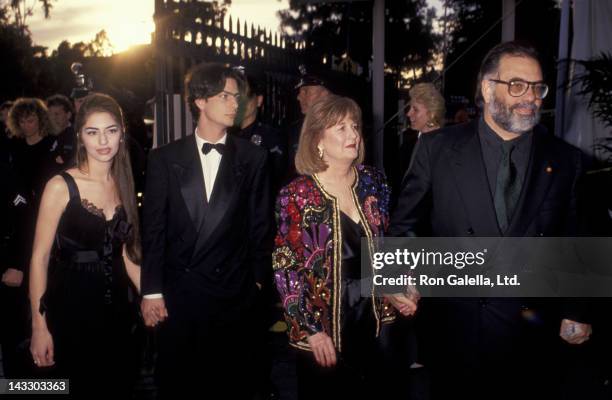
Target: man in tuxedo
column 501, row 175
column 206, row 245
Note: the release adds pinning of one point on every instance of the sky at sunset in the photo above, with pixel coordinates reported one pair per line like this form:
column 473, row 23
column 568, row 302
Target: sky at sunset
column 127, row 22
column 130, row 22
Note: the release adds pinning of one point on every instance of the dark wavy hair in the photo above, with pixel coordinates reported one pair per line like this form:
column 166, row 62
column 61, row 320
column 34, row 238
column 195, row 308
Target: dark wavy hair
column 62, row 101
column 121, row 169
column 23, row 108
column 206, row 80
column 490, row 64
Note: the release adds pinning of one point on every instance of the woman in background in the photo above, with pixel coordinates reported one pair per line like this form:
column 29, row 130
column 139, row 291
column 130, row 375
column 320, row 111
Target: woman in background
column 425, row 113
column 86, row 257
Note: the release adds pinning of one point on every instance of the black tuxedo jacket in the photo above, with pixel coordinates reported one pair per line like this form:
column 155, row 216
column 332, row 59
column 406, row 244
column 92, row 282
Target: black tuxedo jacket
column 218, row 248
column 446, row 194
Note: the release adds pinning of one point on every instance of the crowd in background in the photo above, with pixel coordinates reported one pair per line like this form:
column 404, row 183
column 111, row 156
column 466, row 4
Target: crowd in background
column 320, row 200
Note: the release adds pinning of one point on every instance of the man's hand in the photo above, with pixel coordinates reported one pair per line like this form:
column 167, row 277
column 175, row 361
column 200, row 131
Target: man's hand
column 153, row 311
column 575, row 332
column 323, row 349
column 404, row 303
column 12, row 277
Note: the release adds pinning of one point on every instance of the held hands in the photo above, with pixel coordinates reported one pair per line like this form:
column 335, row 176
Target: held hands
column 153, row 311
column 323, row 349
column 12, row 277
column 575, row 332
column 41, row 347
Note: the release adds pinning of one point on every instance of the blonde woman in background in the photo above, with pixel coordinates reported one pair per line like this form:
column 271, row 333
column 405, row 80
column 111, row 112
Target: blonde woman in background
column 426, row 113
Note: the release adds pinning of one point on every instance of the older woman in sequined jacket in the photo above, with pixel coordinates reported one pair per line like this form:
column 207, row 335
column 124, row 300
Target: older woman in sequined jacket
column 322, row 217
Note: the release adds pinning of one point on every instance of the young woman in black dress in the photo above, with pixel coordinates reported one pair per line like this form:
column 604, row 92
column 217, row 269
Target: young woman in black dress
column 86, row 259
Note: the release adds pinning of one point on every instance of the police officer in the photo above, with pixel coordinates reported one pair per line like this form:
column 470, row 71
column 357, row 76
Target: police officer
column 262, row 134
column 61, row 111
column 310, row 88
column 15, row 208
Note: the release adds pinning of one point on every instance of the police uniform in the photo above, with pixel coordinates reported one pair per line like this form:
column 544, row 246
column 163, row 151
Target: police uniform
column 271, row 139
column 293, row 130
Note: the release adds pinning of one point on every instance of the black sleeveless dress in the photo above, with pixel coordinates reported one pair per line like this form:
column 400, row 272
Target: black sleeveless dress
column 86, row 303
column 357, row 315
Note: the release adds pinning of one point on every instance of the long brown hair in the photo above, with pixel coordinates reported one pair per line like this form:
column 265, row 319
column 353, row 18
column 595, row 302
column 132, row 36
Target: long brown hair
column 121, row 168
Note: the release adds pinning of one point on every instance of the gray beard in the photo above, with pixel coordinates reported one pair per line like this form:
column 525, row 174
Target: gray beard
column 508, row 120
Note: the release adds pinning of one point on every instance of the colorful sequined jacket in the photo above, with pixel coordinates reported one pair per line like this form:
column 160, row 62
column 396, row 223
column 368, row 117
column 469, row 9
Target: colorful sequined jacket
column 307, row 252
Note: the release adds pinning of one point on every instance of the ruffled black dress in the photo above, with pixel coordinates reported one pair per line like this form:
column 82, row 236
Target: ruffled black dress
column 87, row 301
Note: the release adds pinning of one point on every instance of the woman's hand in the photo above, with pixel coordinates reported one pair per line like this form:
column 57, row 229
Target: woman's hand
column 41, row 347
column 323, row 349
column 404, row 303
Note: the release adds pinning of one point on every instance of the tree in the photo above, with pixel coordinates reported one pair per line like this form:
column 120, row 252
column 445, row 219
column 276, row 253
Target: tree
column 100, row 46
column 20, row 10
column 344, row 29
column 410, row 40
column 18, row 69
column 24, row 62
column 467, row 21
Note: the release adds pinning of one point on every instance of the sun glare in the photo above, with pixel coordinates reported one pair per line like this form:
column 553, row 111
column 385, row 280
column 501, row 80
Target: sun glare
column 125, row 35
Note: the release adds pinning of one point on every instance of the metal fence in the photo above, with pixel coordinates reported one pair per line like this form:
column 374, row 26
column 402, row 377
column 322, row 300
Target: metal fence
column 189, row 32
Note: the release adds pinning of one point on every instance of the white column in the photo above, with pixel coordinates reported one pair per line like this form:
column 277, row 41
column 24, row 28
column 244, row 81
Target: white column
column 378, row 80
column 508, row 22
column 562, row 67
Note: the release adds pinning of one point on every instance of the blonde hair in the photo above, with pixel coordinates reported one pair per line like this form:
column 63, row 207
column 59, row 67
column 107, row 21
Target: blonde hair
column 324, row 114
column 23, row 108
column 430, row 97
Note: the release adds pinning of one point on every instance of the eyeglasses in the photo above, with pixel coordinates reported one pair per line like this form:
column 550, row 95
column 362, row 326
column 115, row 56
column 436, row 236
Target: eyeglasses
column 518, row 87
column 225, row 96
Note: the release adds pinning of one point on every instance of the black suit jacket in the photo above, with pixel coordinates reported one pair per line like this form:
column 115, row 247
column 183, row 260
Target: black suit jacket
column 218, row 248
column 446, row 194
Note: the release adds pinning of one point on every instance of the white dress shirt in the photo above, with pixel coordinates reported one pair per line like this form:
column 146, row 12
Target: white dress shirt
column 210, row 166
column 210, row 163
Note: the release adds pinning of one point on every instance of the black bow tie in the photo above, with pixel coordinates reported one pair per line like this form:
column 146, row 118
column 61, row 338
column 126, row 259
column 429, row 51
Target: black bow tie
column 207, row 147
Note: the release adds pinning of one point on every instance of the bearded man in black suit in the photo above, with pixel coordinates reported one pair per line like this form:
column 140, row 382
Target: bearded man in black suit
column 501, row 175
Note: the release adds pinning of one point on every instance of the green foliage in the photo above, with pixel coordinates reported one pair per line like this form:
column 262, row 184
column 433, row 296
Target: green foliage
column 536, row 22
column 19, row 10
column 29, row 71
column 345, row 29
column 596, row 84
